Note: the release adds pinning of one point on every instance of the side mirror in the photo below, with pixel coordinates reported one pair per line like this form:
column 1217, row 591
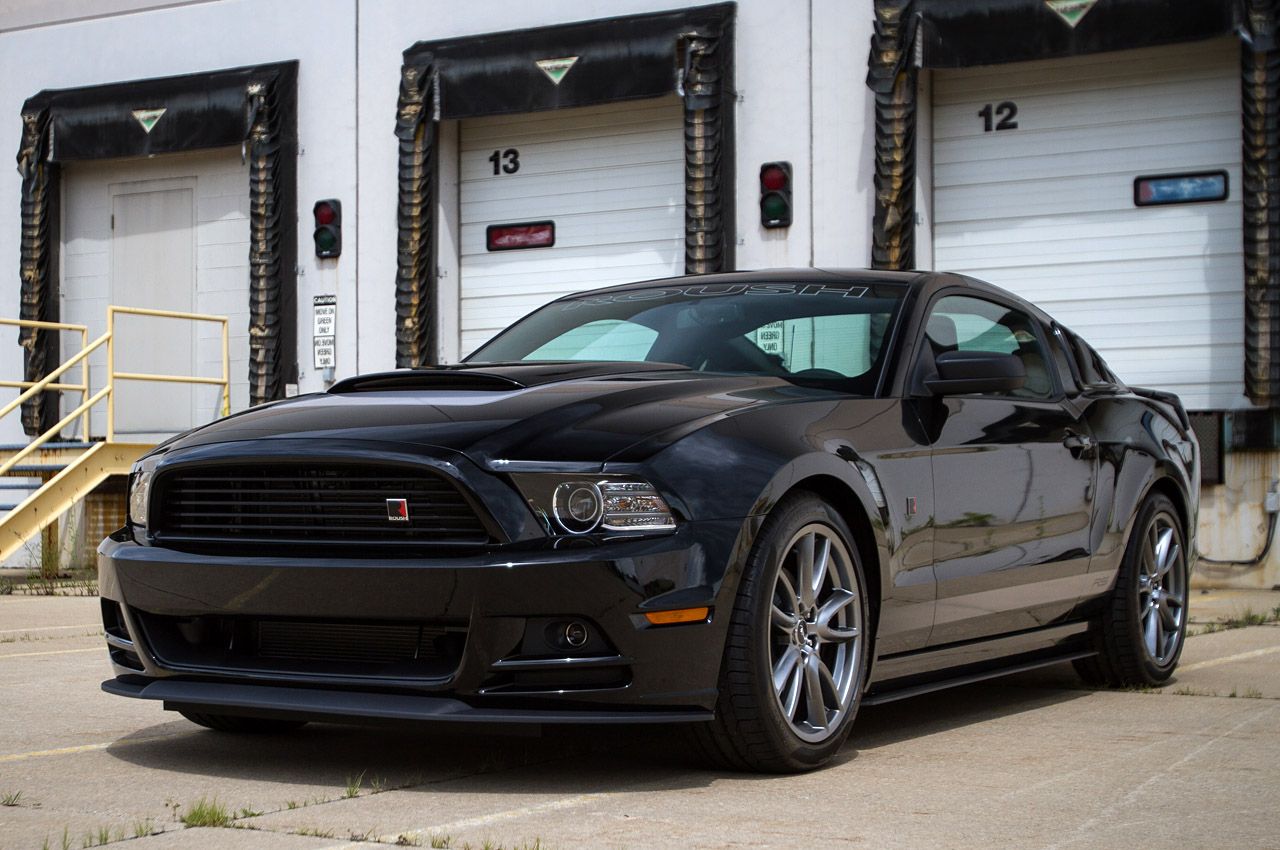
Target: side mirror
column 964, row 372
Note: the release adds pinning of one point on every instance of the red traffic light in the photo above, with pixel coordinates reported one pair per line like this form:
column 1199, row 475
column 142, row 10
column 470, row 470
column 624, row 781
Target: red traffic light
column 774, row 178
column 328, row 233
column 775, row 195
column 325, row 213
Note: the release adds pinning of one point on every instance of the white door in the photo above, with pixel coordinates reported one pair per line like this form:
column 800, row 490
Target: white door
column 153, row 266
column 609, row 179
column 1033, row 190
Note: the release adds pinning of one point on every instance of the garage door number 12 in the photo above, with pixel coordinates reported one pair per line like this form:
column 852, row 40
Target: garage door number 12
column 505, row 162
column 1005, row 111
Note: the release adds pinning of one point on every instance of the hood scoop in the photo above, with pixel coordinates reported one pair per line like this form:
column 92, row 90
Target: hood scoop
column 497, row 377
column 422, row 379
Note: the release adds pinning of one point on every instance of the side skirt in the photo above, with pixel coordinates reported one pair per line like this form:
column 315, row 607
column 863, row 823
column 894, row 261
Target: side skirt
column 910, row 674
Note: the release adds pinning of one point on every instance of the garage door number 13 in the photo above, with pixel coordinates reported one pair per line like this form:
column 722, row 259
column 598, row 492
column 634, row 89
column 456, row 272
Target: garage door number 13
column 1006, row 111
column 505, row 162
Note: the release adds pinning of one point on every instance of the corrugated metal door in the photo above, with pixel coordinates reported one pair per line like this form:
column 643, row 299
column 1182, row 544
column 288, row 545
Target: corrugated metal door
column 1044, row 205
column 610, row 178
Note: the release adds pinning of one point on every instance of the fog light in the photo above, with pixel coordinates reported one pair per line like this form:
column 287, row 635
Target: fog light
column 576, row 634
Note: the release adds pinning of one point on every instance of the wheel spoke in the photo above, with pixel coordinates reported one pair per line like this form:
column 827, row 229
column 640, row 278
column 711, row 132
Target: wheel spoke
column 783, row 669
column 829, row 684
column 821, row 563
column 817, row 711
column 1159, row 621
column 782, row 621
column 1163, row 541
column 791, row 699
column 1150, row 626
column 1171, row 558
column 826, row 624
column 804, row 568
column 1168, row 619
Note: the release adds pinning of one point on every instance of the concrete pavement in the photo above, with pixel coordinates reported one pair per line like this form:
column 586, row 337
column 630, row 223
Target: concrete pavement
column 1031, row 761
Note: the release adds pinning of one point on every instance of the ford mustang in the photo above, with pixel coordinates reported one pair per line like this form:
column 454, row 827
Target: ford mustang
column 747, row 503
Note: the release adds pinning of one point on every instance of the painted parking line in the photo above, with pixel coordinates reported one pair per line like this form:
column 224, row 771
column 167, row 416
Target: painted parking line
column 1227, row 659
column 453, row 827
column 61, row 751
column 49, row 652
column 83, row 748
column 49, row 628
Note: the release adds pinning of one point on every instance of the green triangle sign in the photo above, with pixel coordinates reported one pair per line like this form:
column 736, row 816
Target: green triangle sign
column 1071, row 11
column 555, row 69
column 148, row 118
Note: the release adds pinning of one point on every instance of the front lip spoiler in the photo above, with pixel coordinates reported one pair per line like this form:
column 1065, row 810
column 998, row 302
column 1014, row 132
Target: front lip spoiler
column 335, row 705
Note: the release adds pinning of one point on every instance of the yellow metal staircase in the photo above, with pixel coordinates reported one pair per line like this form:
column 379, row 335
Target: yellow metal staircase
column 70, row 471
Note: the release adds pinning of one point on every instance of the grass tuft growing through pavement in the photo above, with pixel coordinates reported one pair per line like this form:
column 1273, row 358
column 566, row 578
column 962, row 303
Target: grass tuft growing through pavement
column 206, row 812
column 11, row 799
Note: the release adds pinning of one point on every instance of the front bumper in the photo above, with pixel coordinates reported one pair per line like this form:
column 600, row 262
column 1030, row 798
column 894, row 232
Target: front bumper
column 494, row 607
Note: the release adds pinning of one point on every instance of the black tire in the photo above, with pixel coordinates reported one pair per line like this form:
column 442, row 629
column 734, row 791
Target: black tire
column 751, row 730
column 1123, row 632
column 242, row 725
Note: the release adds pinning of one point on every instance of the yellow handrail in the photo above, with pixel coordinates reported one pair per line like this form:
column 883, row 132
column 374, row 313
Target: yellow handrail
column 49, row 382
column 43, row 384
column 83, row 387
column 113, row 375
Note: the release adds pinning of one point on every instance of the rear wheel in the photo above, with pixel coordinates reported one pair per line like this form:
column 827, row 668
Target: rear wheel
column 242, row 725
column 794, row 663
column 1144, row 622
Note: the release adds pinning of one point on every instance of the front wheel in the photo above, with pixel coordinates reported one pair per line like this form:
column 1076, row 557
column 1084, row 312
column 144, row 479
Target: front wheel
column 1143, row 624
column 796, row 655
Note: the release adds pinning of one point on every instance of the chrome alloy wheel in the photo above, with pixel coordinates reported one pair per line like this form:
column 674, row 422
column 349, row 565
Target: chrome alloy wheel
column 1162, row 590
column 815, row 631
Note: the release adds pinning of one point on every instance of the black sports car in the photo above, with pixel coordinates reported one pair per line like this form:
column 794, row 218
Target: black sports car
column 745, row 502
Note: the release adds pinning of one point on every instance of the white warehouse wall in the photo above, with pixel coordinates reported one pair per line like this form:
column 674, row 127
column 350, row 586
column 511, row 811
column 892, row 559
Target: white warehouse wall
column 191, row 39
column 800, row 65
column 780, row 48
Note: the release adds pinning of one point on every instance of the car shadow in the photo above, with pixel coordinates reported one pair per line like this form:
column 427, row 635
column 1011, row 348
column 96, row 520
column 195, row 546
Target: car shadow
column 569, row 760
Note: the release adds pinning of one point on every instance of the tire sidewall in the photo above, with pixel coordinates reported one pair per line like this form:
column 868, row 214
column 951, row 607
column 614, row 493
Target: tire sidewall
column 1154, row 506
column 765, row 562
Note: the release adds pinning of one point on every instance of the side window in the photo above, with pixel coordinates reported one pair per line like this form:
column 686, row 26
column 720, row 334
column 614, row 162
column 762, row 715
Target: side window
column 607, row 339
column 964, row 323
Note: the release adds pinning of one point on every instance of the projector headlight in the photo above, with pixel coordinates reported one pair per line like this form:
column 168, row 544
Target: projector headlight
column 576, row 504
column 140, row 489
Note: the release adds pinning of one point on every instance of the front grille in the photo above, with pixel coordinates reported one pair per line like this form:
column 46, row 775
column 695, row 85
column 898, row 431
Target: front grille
column 362, row 643
column 292, row 505
column 336, row 649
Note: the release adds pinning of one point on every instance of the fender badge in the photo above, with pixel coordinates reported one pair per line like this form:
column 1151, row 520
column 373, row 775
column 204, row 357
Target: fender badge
column 148, row 118
column 555, row 69
column 398, row 510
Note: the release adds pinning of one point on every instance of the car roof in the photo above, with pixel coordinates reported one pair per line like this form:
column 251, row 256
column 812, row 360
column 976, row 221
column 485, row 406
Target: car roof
column 799, row 275
column 917, row 280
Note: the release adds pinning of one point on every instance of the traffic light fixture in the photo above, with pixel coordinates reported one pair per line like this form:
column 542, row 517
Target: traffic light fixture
column 775, row 194
column 328, row 233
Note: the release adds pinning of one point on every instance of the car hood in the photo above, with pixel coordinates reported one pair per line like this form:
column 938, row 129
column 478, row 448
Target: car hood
column 545, row 412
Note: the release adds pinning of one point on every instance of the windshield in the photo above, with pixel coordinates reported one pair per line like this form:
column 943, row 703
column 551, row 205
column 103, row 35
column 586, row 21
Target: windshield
column 810, row 332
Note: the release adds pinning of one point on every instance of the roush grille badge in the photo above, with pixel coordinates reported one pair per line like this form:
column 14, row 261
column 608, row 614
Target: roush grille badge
column 398, row 510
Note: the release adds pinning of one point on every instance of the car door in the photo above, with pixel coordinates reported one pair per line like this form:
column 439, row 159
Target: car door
column 1013, row 479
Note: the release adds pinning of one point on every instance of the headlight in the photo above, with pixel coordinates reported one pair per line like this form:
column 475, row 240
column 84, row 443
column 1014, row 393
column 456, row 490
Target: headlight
column 140, row 489
column 581, row 504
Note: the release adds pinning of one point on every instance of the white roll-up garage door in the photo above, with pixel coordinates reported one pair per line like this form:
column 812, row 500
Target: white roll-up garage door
column 1045, row 205
column 611, row 180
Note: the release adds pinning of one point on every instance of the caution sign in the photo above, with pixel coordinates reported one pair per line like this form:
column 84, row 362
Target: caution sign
column 324, row 331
